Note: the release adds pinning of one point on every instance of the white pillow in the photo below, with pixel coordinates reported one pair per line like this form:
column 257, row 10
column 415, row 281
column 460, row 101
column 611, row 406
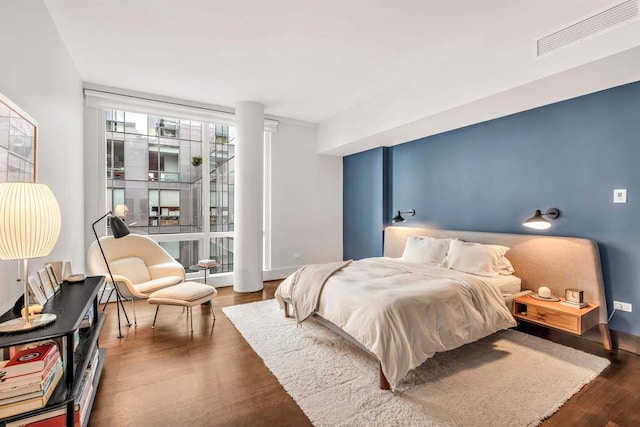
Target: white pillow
column 506, row 268
column 475, row 258
column 425, row 250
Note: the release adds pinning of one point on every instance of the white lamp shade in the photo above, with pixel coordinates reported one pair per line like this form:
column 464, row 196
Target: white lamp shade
column 29, row 220
column 541, row 224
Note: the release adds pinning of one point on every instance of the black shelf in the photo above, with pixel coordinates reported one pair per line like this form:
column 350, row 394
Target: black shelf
column 85, row 350
column 96, row 381
column 70, row 304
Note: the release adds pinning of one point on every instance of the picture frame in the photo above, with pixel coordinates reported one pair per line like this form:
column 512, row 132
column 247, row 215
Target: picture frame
column 52, row 277
column 66, row 270
column 18, row 154
column 45, row 281
column 56, row 268
column 36, row 291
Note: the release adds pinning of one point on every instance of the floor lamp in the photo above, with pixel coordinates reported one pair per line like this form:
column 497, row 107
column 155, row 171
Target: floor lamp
column 119, row 229
column 29, row 228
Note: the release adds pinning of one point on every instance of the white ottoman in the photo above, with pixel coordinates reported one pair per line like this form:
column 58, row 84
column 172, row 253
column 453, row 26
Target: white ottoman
column 185, row 294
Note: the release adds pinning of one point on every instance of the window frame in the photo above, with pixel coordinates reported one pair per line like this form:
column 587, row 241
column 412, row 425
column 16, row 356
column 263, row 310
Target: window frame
column 99, row 99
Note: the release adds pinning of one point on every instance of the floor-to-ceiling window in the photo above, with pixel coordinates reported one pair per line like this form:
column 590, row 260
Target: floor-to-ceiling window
column 157, row 181
column 221, row 150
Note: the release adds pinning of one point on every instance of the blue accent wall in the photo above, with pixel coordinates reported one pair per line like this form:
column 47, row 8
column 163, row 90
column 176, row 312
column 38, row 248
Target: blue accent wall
column 491, row 176
column 365, row 202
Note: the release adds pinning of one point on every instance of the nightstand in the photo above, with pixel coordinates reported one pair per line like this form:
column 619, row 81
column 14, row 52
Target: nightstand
column 555, row 315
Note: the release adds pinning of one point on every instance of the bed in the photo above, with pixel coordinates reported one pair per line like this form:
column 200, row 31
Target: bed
column 402, row 312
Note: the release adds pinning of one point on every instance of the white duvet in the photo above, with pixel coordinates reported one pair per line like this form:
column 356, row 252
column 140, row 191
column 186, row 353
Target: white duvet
column 404, row 312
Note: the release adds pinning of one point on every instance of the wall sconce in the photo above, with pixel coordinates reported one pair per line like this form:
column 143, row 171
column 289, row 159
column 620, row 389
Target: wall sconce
column 399, row 218
column 538, row 222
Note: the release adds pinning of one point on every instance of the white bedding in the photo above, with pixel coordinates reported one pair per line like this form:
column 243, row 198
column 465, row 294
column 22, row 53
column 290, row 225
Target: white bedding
column 406, row 312
column 506, row 284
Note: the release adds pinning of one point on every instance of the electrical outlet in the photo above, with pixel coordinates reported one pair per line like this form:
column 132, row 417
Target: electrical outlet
column 296, row 256
column 622, row 306
column 620, row 195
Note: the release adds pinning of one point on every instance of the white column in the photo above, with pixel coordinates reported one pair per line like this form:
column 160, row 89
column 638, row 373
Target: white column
column 247, row 259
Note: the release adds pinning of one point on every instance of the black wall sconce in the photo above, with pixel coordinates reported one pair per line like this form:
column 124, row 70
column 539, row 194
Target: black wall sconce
column 538, row 222
column 399, row 218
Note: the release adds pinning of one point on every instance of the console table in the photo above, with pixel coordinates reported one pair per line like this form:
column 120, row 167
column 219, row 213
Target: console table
column 69, row 304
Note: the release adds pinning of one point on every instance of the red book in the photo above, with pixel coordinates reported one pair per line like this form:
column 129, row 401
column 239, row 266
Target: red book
column 29, row 360
column 53, row 418
column 30, row 382
column 59, row 421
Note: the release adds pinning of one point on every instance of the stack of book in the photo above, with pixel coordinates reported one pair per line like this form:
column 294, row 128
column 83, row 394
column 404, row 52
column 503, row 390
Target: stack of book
column 207, row 263
column 29, row 378
column 56, row 416
column 86, row 386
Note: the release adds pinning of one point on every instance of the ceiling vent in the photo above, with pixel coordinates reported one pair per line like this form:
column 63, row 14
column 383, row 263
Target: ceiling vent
column 592, row 25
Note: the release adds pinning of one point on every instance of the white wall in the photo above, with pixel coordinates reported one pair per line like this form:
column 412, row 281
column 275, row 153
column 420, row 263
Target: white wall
column 37, row 73
column 424, row 107
column 306, row 200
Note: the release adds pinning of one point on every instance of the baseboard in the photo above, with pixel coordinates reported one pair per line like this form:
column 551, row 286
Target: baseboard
column 620, row 340
column 217, row 281
column 107, row 294
column 626, row 342
column 278, row 273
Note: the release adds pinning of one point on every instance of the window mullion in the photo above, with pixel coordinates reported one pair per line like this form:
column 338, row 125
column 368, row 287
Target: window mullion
column 145, row 183
column 206, row 193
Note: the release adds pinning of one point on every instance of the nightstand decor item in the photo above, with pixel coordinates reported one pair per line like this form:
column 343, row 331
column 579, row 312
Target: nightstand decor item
column 538, row 222
column 119, row 229
column 574, row 298
column 544, row 294
column 399, row 218
column 29, row 228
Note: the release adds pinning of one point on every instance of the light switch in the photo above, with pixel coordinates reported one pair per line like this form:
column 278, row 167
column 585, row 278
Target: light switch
column 620, row 195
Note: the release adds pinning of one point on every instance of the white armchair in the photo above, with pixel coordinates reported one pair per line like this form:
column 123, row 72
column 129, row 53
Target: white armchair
column 136, row 261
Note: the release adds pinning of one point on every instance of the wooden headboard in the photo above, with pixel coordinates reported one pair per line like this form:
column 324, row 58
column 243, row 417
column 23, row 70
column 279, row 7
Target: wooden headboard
column 555, row 262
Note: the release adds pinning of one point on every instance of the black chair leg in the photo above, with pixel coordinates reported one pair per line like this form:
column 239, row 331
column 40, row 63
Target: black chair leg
column 155, row 316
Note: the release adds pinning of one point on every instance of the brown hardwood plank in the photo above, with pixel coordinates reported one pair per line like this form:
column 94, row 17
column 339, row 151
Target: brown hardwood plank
column 165, row 376
column 613, row 398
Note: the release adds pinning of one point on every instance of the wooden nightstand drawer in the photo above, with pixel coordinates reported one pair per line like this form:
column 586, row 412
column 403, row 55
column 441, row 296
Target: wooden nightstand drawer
column 552, row 318
column 555, row 315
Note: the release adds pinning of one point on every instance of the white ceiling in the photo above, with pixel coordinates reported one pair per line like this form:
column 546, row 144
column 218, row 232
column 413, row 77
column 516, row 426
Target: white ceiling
column 319, row 60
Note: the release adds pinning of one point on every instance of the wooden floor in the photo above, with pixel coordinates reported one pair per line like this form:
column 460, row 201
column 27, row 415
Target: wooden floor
column 167, row 377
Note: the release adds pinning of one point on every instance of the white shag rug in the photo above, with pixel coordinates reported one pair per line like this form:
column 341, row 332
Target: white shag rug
column 507, row 379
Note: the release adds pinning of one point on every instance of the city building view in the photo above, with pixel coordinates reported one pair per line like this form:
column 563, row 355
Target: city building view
column 162, row 173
